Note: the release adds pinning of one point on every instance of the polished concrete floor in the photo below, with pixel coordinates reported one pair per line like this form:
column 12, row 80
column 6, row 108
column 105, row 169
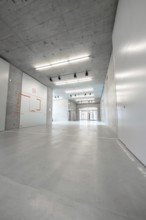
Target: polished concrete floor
column 72, row 171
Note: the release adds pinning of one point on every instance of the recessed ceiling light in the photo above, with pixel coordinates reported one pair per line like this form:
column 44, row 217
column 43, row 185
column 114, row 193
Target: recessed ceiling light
column 63, row 62
column 73, row 81
column 79, row 90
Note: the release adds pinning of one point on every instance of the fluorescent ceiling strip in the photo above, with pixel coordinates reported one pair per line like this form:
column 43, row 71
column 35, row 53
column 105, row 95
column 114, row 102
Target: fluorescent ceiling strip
column 86, row 102
column 58, row 63
column 80, row 100
column 73, row 81
column 88, row 109
column 79, row 90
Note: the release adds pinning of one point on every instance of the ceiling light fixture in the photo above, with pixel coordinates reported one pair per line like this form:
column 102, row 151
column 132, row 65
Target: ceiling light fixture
column 51, row 79
column 79, row 100
column 63, row 62
column 73, row 81
column 57, row 98
column 85, row 102
column 59, row 77
column 88, row 109
column 79, row 90
column 82, row 96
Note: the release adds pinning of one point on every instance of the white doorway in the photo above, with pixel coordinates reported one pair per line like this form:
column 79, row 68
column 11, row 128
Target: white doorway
column 88, row 114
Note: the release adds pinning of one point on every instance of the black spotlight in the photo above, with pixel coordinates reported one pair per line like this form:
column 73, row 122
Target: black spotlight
column 75, row 94
column 59, row 77
column 85, row 93
column 75, row 75
column 51, row 79
column 70, row 95
column 86, row 74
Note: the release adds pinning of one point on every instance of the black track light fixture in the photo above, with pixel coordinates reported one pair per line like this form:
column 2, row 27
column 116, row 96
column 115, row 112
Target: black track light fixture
column 70, row 95
column 85, row 93
column 75, row 75
column 86, row 74
column 51, row 80
column 59, row 77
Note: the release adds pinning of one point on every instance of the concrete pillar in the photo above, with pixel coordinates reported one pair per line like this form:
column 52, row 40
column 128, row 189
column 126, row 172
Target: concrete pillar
column 13, row 99
column 49, row 105
column 4, row 76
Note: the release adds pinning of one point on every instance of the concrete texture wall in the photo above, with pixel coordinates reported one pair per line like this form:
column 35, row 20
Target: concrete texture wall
column 4, row 76
column 60, row 110
column 72, row 108
column 108, row 105
column 13, row 98
column 92, row 105
column 49, row 105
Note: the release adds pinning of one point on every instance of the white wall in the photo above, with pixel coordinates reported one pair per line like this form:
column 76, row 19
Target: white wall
column 109, row 101
column 4, row 77
column 33, row 102
column 129, row 56
column 129, row 45
column 60, row 110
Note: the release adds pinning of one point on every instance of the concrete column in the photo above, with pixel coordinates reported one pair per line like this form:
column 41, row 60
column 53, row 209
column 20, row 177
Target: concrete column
column 49, row 105
column 13, row 99
column 4, row 76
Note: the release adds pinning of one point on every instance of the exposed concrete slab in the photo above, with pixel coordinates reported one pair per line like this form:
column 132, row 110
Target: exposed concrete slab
column 37, row 32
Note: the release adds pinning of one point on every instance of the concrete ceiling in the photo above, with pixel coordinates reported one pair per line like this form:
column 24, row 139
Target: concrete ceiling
column 34, row 32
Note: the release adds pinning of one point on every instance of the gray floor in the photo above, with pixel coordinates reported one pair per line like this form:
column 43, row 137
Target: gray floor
column 72, row 171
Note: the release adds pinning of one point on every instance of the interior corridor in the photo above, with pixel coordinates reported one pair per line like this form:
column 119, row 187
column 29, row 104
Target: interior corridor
column 54, row 172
